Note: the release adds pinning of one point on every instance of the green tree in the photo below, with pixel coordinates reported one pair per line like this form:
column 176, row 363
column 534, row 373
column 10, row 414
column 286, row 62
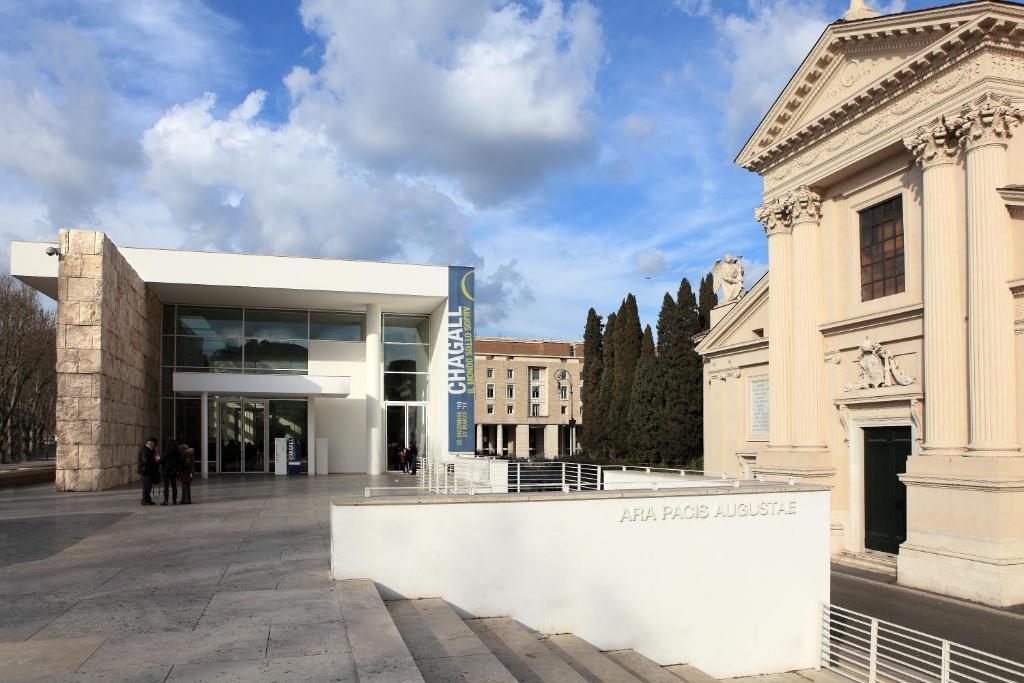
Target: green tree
column 599, row 428
column 645, row 413
column 627, row 354
column 668, row 364
column 689, row 377
column 706, row 300
column 590, row 390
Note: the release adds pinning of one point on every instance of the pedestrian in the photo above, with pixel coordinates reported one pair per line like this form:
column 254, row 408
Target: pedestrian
column 147, row 466
column 402, row 464
column 170, row 466
column 188, row 461
column 413, row 458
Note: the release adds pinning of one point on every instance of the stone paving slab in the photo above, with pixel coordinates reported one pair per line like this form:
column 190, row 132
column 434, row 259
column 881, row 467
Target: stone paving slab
column 294, row 640
column 122, row 615
column 268, row 574
column 45, row 657
column 334, row 667
column 292, row 606
column 223, row 643
column 155, row 674
column 22, row 616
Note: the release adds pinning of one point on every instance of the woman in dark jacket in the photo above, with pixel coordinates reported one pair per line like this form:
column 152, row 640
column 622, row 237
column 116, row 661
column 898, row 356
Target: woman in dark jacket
column 170, row 465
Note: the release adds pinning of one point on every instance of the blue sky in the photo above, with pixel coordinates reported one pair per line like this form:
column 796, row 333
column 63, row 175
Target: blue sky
column 572, row 151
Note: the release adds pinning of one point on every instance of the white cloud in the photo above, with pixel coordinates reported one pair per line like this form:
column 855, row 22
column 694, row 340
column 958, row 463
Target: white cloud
column 494, row 96
column 650, row 262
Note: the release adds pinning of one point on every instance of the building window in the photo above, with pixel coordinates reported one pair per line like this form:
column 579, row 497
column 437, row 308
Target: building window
column 563, row 392
column 510, row 391
column 490, row 391
column 535, row 391
column 534, row 410
column 509, row 374
column 508, row 409
column 406, row 352
column 534, row 374
column 881, row 250
column 490, row 408
column 490, row 373
column 563, row 410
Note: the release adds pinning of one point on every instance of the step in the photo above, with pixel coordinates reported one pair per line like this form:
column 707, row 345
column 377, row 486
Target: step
column 823, row 676
column 519, row 650
column 690, row 674
column 588, row 661
column 642, row 667
column 379, row 652
column 442, row 645
column 870, row 560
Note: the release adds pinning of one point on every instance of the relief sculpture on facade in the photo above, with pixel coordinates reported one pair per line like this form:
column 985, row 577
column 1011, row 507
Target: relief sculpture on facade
column 877, row 369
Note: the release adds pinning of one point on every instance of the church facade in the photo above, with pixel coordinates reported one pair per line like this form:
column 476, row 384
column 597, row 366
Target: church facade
column 883, row 354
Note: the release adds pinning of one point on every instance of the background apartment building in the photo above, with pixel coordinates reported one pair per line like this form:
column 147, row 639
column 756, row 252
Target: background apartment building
column 528, row 396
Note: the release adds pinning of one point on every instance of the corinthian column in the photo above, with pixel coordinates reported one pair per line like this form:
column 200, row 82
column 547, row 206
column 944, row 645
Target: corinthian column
column 984, row 128
column 807, row 359
column 945, row 287
column 775, row 216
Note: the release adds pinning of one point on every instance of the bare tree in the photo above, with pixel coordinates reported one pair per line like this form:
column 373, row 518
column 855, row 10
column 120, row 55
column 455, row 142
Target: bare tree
column 28, row 373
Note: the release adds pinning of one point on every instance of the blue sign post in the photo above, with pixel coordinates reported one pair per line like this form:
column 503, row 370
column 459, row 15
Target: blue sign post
column 461, row 373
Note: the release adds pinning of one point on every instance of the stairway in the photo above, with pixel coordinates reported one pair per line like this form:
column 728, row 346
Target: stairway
column 428, row 640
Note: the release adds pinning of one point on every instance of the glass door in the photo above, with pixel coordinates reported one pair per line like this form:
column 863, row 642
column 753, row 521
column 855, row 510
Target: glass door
column 242, row 443
column 405, row 425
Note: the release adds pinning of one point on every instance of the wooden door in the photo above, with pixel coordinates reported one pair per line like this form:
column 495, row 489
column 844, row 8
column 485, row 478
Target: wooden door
column 886, row 450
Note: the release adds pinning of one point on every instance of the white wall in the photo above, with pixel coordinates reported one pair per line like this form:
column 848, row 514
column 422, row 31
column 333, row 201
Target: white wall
column 733, row 595
column 619, row 480
column 342, row 421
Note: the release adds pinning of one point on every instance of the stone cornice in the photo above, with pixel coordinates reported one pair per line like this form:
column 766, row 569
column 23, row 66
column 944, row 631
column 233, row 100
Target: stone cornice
column 882, row 395
column 871, row 320
column 739, row 347
column 994, row 485
column 955, row 33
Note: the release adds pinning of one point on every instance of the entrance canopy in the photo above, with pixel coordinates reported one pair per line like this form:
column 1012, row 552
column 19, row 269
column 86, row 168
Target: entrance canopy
column 233, row 384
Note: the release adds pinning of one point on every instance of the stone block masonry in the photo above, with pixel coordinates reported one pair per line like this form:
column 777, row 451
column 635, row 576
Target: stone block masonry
column 108, row 364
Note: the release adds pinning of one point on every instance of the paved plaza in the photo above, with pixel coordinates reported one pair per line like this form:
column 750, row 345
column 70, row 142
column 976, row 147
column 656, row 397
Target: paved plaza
column 234, row 587
column 94, row 586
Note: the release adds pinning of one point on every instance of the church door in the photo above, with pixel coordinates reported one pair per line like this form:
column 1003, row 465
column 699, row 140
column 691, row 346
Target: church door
column 885, row 497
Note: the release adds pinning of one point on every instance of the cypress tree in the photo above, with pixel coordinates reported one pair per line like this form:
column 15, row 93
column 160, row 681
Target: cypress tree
column 669, row 363
column 690, row 376
column 628, row 335
column 599, row 428
column 706, row 300
column 645, row 413
column 590, row 390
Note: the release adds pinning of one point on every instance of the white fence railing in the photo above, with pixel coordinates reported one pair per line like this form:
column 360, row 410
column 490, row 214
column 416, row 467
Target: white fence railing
column 863, row 648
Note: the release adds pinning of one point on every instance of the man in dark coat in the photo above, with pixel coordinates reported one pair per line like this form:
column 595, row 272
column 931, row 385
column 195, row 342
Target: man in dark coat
column 147, row 465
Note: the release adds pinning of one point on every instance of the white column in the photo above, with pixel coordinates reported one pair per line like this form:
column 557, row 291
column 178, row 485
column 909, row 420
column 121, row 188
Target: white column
column 984, row 129
column 808, row 387
column 204, row 430
column 776, row 218
column 945, row 288
column 311, row 434
column 374, row 386
column 500, row 439
column 479, row 437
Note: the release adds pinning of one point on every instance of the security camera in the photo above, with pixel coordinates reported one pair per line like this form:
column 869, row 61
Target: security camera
column 52, row 251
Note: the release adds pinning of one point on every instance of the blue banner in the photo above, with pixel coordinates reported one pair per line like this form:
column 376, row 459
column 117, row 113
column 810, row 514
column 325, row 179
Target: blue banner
column 461, row 373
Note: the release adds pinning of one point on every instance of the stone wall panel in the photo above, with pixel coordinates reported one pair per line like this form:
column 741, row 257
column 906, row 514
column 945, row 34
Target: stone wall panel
column 108, row 346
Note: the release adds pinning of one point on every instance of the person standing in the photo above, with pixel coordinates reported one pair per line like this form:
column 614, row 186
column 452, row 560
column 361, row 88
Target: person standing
column 170, row 466
column 413, row 458
column 147, row 465
column 188, row 461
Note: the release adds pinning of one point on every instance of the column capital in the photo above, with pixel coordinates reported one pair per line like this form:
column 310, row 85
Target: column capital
column 933, row 144
column 805, row 205
column 775, row 216
column 986, row 121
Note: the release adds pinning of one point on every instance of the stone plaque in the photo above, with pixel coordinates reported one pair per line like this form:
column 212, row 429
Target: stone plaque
column 758, row 409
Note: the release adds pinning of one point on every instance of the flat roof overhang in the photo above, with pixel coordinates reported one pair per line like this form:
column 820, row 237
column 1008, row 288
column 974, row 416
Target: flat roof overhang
column 236, row 384
column 224, row 279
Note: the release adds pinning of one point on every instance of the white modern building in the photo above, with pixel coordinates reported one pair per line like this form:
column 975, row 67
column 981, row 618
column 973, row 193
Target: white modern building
column 230, row 352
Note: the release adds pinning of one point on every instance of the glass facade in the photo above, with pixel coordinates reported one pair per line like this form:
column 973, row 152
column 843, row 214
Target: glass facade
column 406, row 354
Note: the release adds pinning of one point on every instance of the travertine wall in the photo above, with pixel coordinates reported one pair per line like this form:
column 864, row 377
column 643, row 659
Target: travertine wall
column 108, row 364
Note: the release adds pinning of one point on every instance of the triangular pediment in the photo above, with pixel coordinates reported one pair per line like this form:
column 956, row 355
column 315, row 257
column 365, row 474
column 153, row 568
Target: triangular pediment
column 854, row 63
column 745, row 323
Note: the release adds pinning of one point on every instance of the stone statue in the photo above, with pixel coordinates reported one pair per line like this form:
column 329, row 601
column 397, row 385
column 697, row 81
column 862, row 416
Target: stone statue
column 728, row 276
column 877, row 368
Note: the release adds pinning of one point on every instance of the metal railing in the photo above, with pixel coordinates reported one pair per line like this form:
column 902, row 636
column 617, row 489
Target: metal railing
column 863, row 648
